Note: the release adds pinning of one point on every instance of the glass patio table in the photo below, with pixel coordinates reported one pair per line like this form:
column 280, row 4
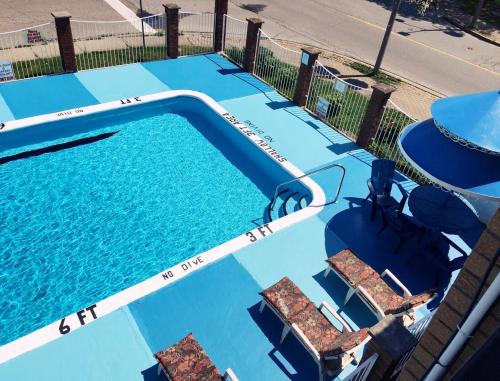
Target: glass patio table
column 440, row 211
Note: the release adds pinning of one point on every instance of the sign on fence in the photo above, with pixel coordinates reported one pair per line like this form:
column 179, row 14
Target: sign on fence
column 322, row 106
column 340, row 86
column 33, row 36
column 6, row 72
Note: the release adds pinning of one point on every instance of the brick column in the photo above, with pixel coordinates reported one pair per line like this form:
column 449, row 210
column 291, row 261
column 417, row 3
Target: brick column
column 380, row 95
column 254, row 24
column 219, row 35
column 455, row 306
column 391, row 340
column 65, row 41
column 309, row 57
column 172, row 16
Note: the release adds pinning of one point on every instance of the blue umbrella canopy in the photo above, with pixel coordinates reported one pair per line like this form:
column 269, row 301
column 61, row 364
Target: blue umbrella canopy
column 473, row 118
column 450, row 164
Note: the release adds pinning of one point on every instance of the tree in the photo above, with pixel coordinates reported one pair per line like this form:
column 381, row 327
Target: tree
column 421, row 6
column 477, row 13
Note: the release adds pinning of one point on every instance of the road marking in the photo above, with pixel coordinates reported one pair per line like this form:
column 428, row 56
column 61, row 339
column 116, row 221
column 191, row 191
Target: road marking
column 127, row 14
column 423, row 44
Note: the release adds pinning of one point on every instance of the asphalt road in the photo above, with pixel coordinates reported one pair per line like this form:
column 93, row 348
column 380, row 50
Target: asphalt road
column 427, row 50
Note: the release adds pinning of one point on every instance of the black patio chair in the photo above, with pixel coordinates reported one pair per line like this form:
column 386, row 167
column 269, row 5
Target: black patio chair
column 403, row 225
column 380, row 185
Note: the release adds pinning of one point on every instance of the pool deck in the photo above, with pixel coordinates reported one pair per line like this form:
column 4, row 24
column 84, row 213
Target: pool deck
column 219, row 302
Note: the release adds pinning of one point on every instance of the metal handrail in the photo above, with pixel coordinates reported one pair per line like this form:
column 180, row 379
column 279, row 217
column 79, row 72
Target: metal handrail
column 273, row 201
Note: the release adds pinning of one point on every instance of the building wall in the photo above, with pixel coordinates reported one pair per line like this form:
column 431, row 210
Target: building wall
column 455, row 305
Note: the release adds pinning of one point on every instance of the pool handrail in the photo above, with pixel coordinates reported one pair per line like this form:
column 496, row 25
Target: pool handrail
column 338, row 165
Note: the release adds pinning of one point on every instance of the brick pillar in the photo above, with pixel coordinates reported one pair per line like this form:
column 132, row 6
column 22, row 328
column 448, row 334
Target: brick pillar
column 254, row 24
column 380, row 95
column 219, row 35
column 454, row 307
column 309, row 57
column 65, row 41
column 172, row 16
column 391, row 340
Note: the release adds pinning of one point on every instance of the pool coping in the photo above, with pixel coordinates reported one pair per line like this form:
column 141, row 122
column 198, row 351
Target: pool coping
column 112, row 303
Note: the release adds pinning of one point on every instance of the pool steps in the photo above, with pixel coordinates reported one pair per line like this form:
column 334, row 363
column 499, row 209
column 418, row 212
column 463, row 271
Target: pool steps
column 287, row 202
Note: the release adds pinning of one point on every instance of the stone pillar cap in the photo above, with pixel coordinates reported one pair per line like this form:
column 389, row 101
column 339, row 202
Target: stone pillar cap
column 61, row 15
column 171, row 6
column 386, row 89
column 255, row 20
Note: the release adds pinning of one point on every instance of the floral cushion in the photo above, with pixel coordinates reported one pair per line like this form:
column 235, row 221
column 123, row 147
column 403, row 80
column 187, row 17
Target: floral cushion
column 317, row 328
column 188, row 361
column 415, row 301
column 385, row 297
column 286, row 298
column 345, row 342
column 350, row 267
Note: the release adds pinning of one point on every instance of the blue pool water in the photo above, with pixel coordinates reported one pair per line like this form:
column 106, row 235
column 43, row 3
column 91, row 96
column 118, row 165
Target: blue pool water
column 135, row 194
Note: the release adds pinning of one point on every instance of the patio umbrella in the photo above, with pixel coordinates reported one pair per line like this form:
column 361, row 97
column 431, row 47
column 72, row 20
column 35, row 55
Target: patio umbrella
column 459, row 148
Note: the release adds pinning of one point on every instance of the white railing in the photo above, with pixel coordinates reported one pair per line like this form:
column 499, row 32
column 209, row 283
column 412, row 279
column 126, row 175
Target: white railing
column 337, row 102
column 111, row 43
column 235, row 32
column 385, row 141
column 196, row 32
column 32, row 51
column 277, row 65
column 363, row 370
column 417, row 329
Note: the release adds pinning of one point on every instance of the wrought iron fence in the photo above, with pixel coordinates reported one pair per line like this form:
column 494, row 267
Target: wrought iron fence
column 235, row 32
column 385, row 142
column 277, row 65
column 30, row 52
column 196, row 31
column 111, row 43
column 339, row 103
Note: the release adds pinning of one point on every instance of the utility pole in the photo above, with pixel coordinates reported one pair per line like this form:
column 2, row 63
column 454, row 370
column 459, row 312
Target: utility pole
column 387, row 34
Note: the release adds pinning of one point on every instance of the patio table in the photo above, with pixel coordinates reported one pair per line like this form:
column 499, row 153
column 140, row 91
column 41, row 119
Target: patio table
column 441, row 211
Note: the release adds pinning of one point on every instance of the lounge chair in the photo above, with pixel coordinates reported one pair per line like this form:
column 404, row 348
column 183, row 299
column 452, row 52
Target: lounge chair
column 331, row 348
column 187, row 360
column 374, row 291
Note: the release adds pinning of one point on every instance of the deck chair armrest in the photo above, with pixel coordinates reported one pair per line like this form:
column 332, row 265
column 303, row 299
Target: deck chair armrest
column 402, row 190
column 370, row 186
column 337, row 317
column 351, row 352
column 229, row 374
column 304, row 339
column 406, row 292
column 369, row 298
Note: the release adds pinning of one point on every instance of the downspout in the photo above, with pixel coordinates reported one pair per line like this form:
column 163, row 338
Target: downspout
column 465, row 331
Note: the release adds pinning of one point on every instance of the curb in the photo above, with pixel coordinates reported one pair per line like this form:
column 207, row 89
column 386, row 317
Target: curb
column 470, row 31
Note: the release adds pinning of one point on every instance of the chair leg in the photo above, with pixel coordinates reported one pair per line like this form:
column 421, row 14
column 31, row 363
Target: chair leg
column 262, row 305
column 327, row 271
column 350, row 293
column 320, row 371
column 374, row 210
column 284, row 333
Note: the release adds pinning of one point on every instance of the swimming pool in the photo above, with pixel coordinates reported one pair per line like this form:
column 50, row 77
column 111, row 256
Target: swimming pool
column 93, row 204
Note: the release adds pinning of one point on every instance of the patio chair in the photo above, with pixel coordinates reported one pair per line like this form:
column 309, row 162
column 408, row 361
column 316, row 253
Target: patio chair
column 374, row 291
column 187, row 360
column 331, row 348
column 380, row 184
column 404, row 226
